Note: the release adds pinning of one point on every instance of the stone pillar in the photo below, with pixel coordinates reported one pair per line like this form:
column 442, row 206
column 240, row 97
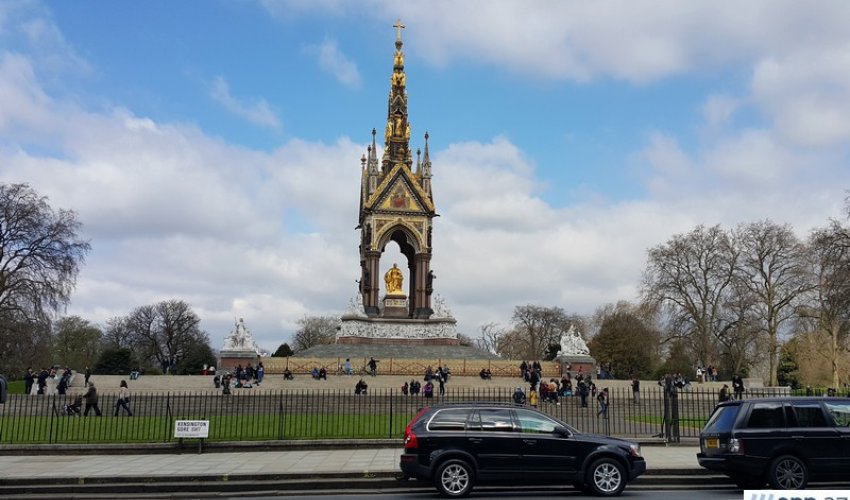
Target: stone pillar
column 422, row 298
column 370, row 296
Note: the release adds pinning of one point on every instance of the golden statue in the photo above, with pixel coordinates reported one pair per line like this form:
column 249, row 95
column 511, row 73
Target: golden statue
column 393, row 279
column 398, row 60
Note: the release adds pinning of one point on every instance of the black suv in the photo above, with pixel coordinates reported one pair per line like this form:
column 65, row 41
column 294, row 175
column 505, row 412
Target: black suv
column 782, row 441
column 458, row 445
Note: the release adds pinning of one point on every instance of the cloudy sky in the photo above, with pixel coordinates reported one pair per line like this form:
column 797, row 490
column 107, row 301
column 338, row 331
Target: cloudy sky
column 212, row 148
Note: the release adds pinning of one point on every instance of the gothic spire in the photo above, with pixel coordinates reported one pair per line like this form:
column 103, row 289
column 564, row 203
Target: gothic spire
column 397, row 133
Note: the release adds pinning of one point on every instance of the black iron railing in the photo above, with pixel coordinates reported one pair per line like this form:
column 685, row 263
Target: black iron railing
column 251, row 414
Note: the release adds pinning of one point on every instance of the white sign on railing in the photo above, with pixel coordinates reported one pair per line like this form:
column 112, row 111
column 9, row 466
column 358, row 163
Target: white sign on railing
column 192, row 428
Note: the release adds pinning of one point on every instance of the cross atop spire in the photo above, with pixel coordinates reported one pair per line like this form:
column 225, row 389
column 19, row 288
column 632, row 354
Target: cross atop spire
column 398, row 27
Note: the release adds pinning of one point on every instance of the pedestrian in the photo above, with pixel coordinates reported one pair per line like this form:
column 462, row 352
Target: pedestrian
column 42, row 381
column 91, row 400
column 583, row 392
column 62, row 387
column 261, row 372
column 428, row 389
column 29, row 381
column 123, row 399
column 602, row 399
column 360, row 387
column 635, row 390
column 346, row 367
column 519, row 396
column 88, row 376
column 738, row 386
column 225, row 383
column 442, row 382
column 373, row 367
column 534, row 379
column 724, row 394
column 405, row 388
column 532, row 398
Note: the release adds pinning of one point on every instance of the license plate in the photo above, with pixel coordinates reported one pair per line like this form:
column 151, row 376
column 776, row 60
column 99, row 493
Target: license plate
column 712, row 443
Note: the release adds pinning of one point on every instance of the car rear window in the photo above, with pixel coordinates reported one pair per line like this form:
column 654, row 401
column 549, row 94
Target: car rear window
column 808, row 415
column 722, row 419
column 449, row 420
column 766, row 416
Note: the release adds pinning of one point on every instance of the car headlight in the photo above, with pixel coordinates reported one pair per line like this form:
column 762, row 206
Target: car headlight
column 634, row 450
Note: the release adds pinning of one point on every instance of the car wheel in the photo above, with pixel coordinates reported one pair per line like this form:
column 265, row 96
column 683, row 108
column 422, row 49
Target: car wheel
column 454, row 478
column 788, row 472
column 606, row 477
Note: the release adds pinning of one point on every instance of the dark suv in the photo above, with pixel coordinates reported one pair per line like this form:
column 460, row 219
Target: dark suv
column 782, row 441
column 459, row 445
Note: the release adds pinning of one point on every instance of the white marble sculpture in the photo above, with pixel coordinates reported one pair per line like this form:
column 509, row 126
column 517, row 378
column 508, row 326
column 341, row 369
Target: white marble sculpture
column 355, row 307
column 240, row 339
column 441, row 310
column 572, row 344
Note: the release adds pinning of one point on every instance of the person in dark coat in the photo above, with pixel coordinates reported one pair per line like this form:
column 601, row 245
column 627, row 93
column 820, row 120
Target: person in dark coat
column 88, row 376
column 91, row 400
column 42, row 381
column 738, row 386
column 29, row 381
column 519, row 396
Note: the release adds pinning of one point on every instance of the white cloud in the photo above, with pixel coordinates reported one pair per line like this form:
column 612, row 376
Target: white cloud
column 807, row 94
column 639, row 41
column 256, row 111
column 331, row 60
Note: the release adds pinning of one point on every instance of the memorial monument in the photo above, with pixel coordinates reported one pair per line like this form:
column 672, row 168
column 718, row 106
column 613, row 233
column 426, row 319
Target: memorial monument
column 239, row 347
column 396, row 205
column 574, row 354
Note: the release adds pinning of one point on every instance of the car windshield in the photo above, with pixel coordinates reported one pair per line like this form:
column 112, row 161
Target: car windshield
column 722, row 419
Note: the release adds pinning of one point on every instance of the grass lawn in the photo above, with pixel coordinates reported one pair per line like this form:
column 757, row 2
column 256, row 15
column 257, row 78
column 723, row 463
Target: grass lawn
column 16, row 386
column 109, row 429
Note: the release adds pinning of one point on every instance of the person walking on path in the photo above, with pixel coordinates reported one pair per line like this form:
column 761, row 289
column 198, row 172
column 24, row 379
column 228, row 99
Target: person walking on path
column 88, row 376
column 635, row 390
column 602, row 399
column 123, row 399
column 91, row 400
column 373, row 367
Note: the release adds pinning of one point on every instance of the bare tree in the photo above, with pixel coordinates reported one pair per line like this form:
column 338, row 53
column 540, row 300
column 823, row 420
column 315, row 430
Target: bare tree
column 315, row 330
column 40, row 257
column 489, row 339
column 536, row 329
column 828, row 303
column 771, row 269
column 118, row 334
column 691, row 278
column 166, row 332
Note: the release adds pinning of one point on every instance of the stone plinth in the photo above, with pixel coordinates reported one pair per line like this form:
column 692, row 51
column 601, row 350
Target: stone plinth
column 574, row 362
column 395, row 306
column 229, row 359
column 364, row 330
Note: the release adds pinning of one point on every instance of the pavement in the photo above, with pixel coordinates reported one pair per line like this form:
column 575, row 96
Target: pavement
column 276, row 472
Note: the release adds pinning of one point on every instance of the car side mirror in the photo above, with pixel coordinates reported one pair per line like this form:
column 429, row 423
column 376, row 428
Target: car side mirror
column 563, row 432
